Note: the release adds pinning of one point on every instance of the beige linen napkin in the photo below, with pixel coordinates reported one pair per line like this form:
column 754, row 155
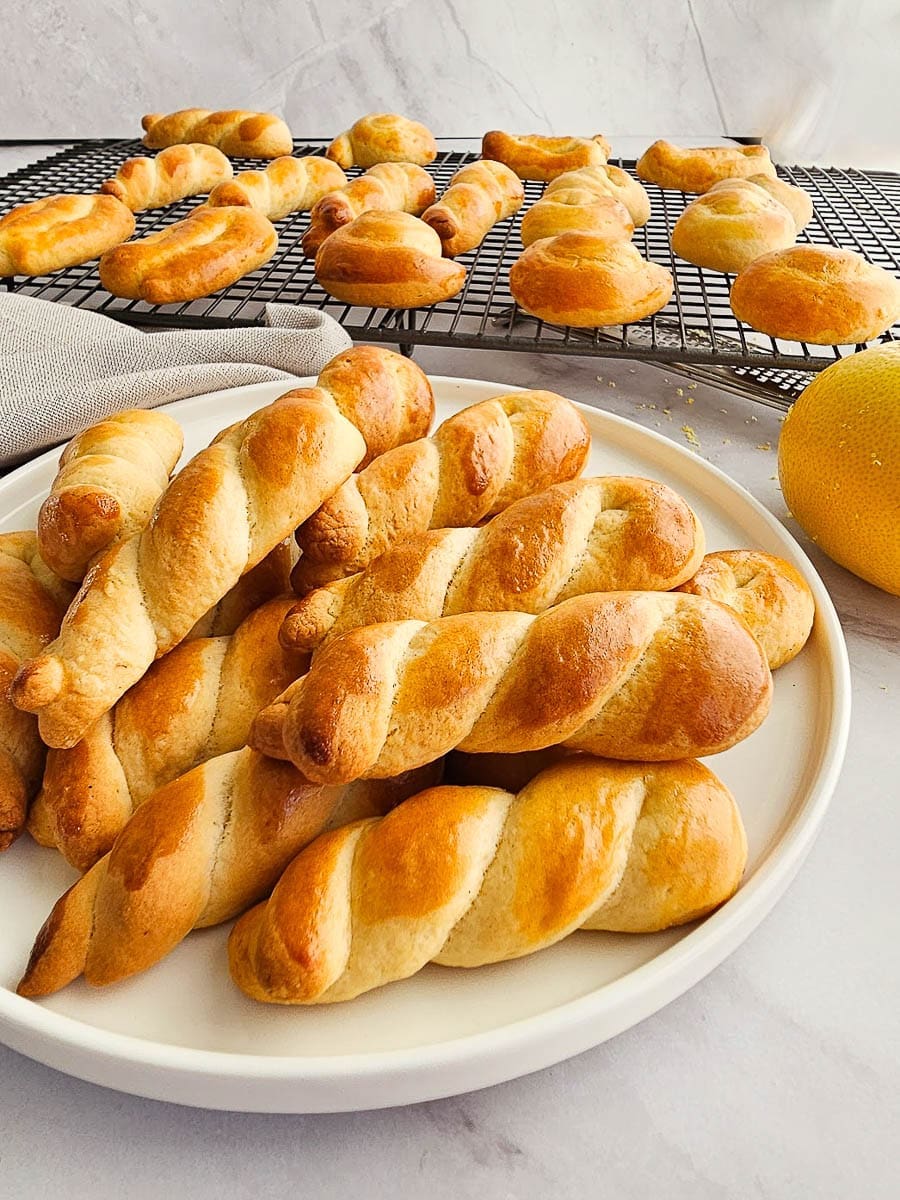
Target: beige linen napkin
column 62, row 368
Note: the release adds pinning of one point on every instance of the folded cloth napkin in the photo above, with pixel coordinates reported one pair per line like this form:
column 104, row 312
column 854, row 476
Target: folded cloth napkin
column 63, row 368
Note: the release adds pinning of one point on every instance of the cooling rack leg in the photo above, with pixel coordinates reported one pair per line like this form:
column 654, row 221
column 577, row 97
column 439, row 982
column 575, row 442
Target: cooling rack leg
column 407, row 320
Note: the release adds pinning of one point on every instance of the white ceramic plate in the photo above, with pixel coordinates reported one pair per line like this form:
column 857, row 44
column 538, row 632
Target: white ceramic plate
column 182, row 1032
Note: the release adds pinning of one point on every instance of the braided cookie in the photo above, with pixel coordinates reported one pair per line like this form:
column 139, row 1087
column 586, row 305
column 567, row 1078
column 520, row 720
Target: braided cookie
column 61, row 231
column 386, row 396
column 110, row 476
column 234, row 131
column 32, row 603
column 480, row 194
column 590, row 535
column 207, row 251
column 477, row 463
column 195, row 703
column 200, row 851
column 533, row 156
column 771, row 595
column 285, row 186
column 627, row 675
column 387, row 187
column 467, row 876
column 222, row 513
column 383, row 137
column 181, row 171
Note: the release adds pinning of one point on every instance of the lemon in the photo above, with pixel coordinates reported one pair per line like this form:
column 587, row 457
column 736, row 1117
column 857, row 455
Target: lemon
column 839, row 463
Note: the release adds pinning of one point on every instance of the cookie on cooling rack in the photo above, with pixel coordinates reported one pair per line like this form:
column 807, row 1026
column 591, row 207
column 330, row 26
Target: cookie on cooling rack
column 61, row 231
column 587, row 281
column 817, row 294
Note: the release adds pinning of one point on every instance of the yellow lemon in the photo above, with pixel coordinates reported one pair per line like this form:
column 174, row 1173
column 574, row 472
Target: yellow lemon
column 839, row 463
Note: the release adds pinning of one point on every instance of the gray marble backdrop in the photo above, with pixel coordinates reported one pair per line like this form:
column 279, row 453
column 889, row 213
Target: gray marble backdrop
column 817, row 78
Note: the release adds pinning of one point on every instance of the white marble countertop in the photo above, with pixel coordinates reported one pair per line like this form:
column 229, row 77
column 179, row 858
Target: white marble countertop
column 816, row 81
column 776, row 1076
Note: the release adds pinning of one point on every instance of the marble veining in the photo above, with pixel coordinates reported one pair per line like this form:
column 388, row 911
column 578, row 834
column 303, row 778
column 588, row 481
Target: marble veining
column 813, row 76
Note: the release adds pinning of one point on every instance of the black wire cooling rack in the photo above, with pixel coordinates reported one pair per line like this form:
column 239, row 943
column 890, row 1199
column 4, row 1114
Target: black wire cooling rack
column 855, row 209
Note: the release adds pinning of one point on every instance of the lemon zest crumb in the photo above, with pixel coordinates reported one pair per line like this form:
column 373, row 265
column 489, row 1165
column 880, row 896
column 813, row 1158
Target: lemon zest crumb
column 690, row 435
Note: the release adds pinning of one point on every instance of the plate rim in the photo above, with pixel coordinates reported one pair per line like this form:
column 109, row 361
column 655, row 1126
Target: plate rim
column 509, row 1051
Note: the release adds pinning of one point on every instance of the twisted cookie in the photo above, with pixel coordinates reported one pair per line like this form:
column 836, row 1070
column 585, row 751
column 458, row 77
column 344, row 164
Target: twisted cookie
column 286, row 185
column 195, row 703
column 110, row 476
column 387, row 187
column 589, row 535
column 769, row 593
column 586, row 281
column 732, row 224
column 630, row 675
column 579, row 210
column 819, row 294
column 467, row 876
column 223, row 512
column 200, row 851
column 234, row 131
column 142, row 183
column 480, row 194
column 32, row 603
column 475, row 465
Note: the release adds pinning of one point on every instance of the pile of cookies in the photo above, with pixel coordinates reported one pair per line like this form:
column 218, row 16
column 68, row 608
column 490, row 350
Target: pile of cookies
column 387, row 695
column 580, row 268
column 745, row 222
column 383, row 238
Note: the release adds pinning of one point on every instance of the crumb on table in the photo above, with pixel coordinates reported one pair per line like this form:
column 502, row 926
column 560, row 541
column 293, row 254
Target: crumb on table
column 690, row 436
